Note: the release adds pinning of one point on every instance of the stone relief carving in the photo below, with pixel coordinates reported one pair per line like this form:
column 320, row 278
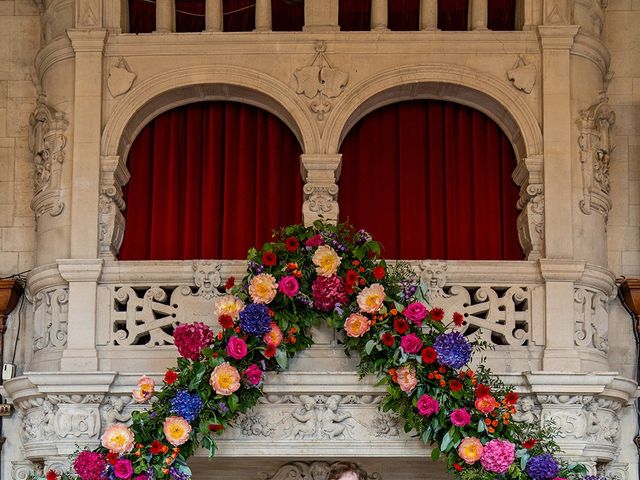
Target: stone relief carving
column 528, row 175
column 595, row 149
column 589, row 14
column 306, row 471
column 113, row 176
column 47, row 142
column 116, row 408
column 591, row 318
column 23, row 469
column 320, row 417
column 50, row 318
column 498, row 315
column 386, row 425
column 320, row 199
column 528, row 411
column 147, row 315
column 120, row 78
column 319, row 82
column 523, row 75
column 255, row 425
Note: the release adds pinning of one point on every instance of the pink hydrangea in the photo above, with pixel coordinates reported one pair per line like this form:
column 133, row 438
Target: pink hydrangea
column 192, row 338
column 327, row 292
column 427, row 405
column 90, row 465
column 498, row 455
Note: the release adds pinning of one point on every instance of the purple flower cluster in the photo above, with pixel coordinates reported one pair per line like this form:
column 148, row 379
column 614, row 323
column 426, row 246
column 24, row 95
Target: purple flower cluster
column 255, row 267
column 255, row 319
column 327, row 292
column 90, row 465
column 178, row 475
column 542, row 467
column 408, row 290
column 223, row 408
column 453, row 349
column 186, row 405
column 362, row 236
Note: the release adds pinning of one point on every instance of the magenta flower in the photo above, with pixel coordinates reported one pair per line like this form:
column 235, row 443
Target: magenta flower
column 90, row 465
column 411, row 343
column 253, row 374
column 416, row 312
column 123, row 469
column 427, row 405
column 460, row 417
column 236, row 348
column 314, row 241
column 289, row 286
column 192, row 338
column 498, row 455
column 327, row 292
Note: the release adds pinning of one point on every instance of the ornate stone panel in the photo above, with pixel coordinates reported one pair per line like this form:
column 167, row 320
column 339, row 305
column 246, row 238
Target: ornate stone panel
column 113, row 176
column 591, row 316
column 306, row 471
column 529, row 176
column 50, row 309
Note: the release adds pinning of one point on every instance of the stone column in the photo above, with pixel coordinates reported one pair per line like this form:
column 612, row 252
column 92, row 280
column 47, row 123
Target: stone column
column 165, row 16
column 213, row 16
column 529, row 177
column 263, row 16
column 428, row 14
column 478, row 15
column 320, row 174
column 321, row 16
column 379, row 15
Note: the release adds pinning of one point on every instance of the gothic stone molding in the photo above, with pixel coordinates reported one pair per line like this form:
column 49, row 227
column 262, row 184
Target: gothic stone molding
column 595, row 150
column 47, row 142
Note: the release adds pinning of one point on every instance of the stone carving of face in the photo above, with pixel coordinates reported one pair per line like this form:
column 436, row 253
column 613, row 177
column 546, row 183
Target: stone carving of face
column 206, row 276
column 436, row 274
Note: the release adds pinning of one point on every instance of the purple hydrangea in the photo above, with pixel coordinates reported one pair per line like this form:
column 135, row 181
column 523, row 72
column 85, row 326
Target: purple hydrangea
column 542, row 467
column 186, row 405
column 453, row 349
column 255, row 319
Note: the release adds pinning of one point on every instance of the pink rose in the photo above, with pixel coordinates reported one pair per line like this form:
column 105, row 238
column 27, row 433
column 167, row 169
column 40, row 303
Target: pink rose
column 253, row 374
column 123, row 469
column 427, row 405
column 416, row 312
column 314, row 241
column 289, row 286
column 236, row 348
column 411, row 343
column 460, row 417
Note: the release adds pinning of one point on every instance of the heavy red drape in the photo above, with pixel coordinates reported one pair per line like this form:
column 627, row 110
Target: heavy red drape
column 431, row 179
column 210, row 180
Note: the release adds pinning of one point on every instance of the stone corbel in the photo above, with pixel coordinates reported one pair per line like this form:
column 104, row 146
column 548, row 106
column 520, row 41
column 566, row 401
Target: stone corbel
column 47, row 142
column 529, row 176
column 320, row 174
column 113, row 176
column 595, row 150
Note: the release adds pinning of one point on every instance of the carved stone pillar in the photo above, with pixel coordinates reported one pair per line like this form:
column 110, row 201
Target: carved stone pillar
column 263, row 16
column 113, row 176
column 478, row 15
column 529, row 176
column 213, row 16
column 165, row 16
column 379, row 15
column 321, row 16
column 320, row 174
column 428, row 14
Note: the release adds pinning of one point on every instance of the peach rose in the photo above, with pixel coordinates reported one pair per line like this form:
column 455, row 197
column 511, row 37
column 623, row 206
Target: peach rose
column 225, row 379
column 144, row 390
column 274, row 336
column 407, row 378
column 176, row 430
column 326, row 261
column 486, row 404
column 356, row 325
column 117, row 438
column 470, row 450
column 370, row 299
column 228, row 305
column 263, row 288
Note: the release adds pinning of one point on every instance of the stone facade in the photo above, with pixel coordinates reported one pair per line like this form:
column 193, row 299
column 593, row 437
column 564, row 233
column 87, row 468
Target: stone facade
column 75, row 91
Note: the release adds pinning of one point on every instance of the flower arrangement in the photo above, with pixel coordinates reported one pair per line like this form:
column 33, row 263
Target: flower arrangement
column 333, row 273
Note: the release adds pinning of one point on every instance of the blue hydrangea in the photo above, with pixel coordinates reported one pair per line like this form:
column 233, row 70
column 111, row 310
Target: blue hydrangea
column 453, row 349
column 542, row 467
column 186, row 405
column 255, row 319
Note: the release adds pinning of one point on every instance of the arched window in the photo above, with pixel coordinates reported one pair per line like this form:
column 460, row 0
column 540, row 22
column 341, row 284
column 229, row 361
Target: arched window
column 431, row 179
column 210, row 180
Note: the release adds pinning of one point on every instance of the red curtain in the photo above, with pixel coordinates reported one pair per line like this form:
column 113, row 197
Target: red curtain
column 431, row 179
column 142, row 16
column 354, row 15
column 453, row 14
column 210, row 180
column 502, row 15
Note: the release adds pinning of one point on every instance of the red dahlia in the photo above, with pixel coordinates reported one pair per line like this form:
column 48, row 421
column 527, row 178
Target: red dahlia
column 269, row 258
column 225, row 321
column 455, row 385
column 231, row 281
column 400, row 325
column 378, row 273
column 387, row 339
column 351, row 278
column 156, row 447
column 482, row 390
column 270, row 351
column 52, row 475
column 458, row 467
column 529, row 444
column 112, row 458
column 170, row 377
column 215, row 427
column 429, row 355
column 511, row 398
column 291, row 244
column 458, row 318
column 436, row 314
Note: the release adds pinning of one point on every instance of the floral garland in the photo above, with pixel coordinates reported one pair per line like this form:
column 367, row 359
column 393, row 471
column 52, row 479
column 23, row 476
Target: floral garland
column 334, row 273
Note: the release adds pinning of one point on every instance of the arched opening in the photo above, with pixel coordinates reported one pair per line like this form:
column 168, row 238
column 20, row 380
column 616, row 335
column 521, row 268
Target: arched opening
column 440, row 175
column 209, row 180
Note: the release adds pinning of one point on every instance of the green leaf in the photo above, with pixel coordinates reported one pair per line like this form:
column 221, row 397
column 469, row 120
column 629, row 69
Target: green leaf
column 523, row 461
column 481, row 426
column 281, row 358
column 369, row 346
column 435, row 454
column 446, row 442
column 233, row 402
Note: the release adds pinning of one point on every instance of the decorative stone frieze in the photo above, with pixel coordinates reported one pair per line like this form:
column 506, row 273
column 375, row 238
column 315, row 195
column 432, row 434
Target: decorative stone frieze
column 306, row 471
column 529, row 176
column 595, row 149
column 113, row 176
column 320, row 173
column 320, row 82
column 47, row 142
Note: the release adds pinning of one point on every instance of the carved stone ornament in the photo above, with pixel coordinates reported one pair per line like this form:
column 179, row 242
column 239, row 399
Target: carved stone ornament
column 319, row 82
column 523, row 75
column 529, row 176
column 113, row 176
column 47, row 141
column 50, row 309
column 120, row 79
column 306, row 471
column 595, row 152
column 591, row 316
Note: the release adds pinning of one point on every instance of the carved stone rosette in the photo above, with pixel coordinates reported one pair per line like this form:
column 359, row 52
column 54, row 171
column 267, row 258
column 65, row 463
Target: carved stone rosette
column 47, row 142
column 595, row 150
column 529, row 176
column 321, row 172
column 113, row 176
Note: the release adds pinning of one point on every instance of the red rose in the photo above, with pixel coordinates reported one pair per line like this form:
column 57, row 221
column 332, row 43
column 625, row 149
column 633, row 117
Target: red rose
column 270, row 351
column 52, row 475
column 387, row 339
column 291, row 244
column 511, row 398
column 269, row 258
column 378, row 273
column 156, row 447
column 529, row 444
column 170, row 377
column 429, row 355
column 225, row 321
column 482, row 390
column 231, row 281
column 436, row 314
column 458, row 467
column 458, row 318
column 400, row 325
column 215, row 427
column 112, row 458
column 351, row 278
column 455, row 385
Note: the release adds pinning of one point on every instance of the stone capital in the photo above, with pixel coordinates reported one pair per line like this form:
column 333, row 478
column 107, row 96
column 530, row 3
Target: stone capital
column 557, row 37
column 321, row 167
column 80, row 269
column 560, row 270
column 87, row 40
